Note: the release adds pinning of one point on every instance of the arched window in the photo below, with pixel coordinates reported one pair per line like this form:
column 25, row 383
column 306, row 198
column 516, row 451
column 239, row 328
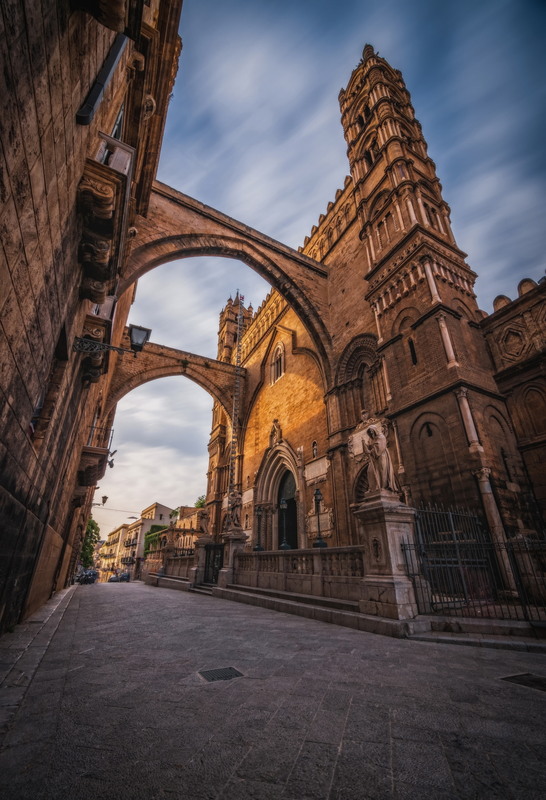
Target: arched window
column 277, row 363
column 314, row 448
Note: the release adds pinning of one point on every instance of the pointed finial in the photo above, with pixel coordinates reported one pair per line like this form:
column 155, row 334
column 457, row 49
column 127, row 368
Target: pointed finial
column 368, row 52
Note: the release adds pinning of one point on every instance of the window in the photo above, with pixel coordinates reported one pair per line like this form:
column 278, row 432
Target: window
column 118, row 124
column 314, row 448
column 277, row 363
column 413, row 353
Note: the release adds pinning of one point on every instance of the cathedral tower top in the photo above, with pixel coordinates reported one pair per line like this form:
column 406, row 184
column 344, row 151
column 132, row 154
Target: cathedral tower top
column 396, row 186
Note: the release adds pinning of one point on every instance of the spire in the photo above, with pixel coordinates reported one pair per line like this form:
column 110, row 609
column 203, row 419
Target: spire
column 368, row 52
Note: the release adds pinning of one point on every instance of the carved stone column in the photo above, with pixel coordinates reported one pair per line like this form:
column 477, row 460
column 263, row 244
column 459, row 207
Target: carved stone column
column 435, row 296
column 446, row 341
column 468, row 420
column 496, row 527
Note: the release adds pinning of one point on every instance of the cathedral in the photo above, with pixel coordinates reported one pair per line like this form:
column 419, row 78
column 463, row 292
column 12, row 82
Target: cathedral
column 367, row 375
column 397, row 341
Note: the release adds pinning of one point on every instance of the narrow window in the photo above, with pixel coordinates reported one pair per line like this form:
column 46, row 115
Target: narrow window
column 277, row 364
column 117, row 130
column 314, row 448
column 413, row 353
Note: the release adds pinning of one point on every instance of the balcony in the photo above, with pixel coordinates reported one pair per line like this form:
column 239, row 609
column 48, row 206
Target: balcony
column 103, row 201
column 130, row 542
column 100, row 437
column 92, row 465
column 128, row 560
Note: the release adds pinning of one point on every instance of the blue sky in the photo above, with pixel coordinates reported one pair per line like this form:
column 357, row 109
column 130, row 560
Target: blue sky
column 253, row 130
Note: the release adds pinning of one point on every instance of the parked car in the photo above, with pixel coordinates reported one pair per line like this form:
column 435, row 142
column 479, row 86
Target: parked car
column 122, row 577
column 87, row 576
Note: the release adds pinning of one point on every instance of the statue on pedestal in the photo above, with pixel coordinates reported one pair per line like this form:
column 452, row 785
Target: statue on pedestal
column 369, row 442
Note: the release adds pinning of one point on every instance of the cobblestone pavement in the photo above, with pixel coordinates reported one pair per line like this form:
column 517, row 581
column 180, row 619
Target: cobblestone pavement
column 105, row 701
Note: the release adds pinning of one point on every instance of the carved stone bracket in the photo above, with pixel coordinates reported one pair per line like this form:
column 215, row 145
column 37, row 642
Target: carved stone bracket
column 101, row 202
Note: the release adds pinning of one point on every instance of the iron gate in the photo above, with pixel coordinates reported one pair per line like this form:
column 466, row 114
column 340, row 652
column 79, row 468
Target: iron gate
column 456, row 569
column 214, row 561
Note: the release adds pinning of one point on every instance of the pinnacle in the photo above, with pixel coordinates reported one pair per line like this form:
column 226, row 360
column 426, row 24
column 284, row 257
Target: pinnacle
column 368, row 52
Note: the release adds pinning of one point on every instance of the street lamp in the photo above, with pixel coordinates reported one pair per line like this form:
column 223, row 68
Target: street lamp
column 284, row 544
column 259, row 512
column 319, row 541
column 139, row 336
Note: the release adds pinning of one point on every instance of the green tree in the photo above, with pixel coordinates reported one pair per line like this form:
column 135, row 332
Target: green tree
column 152, row 536
column 92, row 536
column 200, row 502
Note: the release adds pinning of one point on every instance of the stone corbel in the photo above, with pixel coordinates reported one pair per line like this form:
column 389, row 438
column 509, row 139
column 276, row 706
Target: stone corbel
column 123, row 16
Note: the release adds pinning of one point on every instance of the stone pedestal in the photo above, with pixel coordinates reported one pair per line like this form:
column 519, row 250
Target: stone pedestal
column 197, row 573
column 385, row 523
column 234, row 541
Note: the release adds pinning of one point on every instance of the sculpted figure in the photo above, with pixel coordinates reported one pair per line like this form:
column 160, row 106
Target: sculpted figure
column 381, row 472
column 235, row 502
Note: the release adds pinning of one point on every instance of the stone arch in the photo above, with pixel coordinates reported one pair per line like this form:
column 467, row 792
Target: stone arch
column 179, row 227
column 500, row 438
column 276, row 462
column 534, row 407
column 404, row 320
column 359, row 356
column 433, row 455
column 361, row 350
column 361, row 485
column 217, row 378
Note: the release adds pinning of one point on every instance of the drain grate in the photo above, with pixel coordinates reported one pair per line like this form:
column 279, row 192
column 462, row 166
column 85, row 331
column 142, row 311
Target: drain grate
column 528, row 679
column 222, row 674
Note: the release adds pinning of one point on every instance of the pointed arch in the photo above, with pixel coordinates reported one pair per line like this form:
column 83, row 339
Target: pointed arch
column 179, row 226
column 277, row 461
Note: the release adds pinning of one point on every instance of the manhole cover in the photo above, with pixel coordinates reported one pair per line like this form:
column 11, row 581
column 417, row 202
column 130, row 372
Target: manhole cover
column 528, row 679
column 223, row 674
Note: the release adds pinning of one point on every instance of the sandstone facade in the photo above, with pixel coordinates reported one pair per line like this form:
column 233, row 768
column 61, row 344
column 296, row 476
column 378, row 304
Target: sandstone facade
column 88, row 90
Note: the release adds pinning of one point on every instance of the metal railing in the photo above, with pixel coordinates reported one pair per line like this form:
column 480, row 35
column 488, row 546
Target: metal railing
column 457, row 570
column 100, row 437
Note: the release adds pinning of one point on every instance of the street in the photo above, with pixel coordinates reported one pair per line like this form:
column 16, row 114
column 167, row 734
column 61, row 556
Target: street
column 102, row 698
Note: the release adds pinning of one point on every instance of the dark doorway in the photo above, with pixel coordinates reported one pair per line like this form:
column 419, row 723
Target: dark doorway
column 288, row 521
column 214, row 561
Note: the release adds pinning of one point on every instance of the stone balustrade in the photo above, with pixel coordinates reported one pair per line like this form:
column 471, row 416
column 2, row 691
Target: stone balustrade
column 335, row 572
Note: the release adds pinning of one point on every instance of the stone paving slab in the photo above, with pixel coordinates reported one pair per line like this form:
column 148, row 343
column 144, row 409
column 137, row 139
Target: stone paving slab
column 113, row 705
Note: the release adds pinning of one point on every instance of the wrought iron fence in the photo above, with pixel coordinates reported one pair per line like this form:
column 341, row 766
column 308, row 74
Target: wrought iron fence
column 457, row 570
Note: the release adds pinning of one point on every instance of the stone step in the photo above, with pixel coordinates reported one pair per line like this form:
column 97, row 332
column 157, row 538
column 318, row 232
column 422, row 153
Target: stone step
column 326, row 602
column 350, row 619
column 202, row 589
column 519, row 643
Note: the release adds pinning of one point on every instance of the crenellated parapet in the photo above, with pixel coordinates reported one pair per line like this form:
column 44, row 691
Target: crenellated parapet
column 339, row 215
column 262, row 322
column 516, row 329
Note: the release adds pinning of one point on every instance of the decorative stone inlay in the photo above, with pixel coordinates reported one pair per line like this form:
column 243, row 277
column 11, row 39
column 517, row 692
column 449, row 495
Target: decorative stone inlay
column 316, row 471
column 513, row 343
column 326, row 523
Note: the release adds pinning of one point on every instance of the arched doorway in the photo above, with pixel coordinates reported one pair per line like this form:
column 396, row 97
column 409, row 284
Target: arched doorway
column 288, row 519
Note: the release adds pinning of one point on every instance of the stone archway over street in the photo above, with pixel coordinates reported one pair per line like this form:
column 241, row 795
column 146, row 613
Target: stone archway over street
column 178, row 226
column 156, row 361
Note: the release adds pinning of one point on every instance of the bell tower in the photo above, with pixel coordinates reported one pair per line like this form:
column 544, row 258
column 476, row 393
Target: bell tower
column 450, row 422
column 396, row 185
